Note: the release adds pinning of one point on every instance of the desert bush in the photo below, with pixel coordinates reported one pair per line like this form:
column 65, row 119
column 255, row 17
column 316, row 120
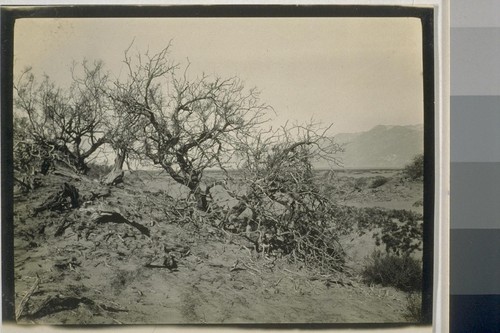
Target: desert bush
column 30, row 158
column 29, row 163
column 378, row 181
column 415, row 169
column 401, row 272
column 400, row 230
column 361, row 183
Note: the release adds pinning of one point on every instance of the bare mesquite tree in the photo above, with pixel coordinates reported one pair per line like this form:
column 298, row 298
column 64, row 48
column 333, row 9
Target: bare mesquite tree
column 63, row 124
column 191, row 123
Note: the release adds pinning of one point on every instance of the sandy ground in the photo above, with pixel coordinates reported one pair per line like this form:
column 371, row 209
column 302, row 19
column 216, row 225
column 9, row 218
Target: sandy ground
column 113, row 273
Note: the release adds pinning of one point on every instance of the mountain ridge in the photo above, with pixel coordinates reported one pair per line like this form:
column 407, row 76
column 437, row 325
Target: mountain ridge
column 382, row 147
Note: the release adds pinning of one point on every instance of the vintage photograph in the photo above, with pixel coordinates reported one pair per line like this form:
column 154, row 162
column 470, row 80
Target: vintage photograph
column 219, row 170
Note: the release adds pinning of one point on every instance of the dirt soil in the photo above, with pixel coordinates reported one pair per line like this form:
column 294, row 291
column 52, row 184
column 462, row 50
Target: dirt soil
column 72, row 268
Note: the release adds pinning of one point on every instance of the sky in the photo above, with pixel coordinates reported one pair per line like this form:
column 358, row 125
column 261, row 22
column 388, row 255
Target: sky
column 354, row 73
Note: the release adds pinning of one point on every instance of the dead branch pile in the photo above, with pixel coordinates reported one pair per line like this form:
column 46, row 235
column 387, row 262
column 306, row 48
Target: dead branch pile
column 289, row 214
column 301, row 229
column 64, row 199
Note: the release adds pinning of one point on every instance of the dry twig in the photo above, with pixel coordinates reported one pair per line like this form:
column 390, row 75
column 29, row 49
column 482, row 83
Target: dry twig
column 26, row 298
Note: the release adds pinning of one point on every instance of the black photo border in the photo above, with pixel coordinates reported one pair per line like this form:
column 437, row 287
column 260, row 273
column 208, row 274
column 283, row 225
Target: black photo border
column 9, row 15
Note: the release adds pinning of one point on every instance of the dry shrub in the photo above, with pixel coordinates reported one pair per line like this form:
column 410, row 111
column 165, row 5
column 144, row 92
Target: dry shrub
column 288, row 209
column 121, row 280
column 401, row 272
column 30, row 159
column 360, row 183
column 378, row 181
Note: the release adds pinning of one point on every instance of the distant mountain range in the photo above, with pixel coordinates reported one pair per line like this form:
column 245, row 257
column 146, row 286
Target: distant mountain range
column 383, row 146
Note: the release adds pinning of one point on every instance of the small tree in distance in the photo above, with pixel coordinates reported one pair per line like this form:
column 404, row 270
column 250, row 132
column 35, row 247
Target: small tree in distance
column 415, row 169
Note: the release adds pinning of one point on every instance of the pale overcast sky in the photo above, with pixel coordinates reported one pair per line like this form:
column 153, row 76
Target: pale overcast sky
column 355, row 73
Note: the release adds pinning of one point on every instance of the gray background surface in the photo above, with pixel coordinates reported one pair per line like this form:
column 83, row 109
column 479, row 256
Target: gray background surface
column 475, row 201
column 477, row 13
column 474, row 261
column 475, row 61
column 475, row 128
column 475, row 137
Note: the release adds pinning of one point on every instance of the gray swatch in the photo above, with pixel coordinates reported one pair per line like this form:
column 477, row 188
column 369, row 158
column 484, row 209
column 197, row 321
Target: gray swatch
column 475, row 128
column 475, row 64
column 474, row 265
column 475, row 195
column 478, row 13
